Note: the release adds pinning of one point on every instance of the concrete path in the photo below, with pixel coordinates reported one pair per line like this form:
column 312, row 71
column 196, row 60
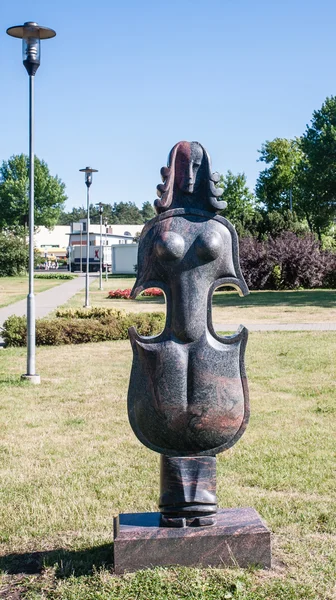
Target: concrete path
column 328, row 326
column 46, row 301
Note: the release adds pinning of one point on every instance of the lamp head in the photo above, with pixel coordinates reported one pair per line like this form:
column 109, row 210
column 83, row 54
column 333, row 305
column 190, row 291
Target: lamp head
column 88, row 174
column 31, row 33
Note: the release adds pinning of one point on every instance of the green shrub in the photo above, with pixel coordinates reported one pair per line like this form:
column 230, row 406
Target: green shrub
column 13, row 255
column 68, row 328
column 14, row 331
column 276, row 277
column 54, row 276
column 94, row 312
column 146, row 323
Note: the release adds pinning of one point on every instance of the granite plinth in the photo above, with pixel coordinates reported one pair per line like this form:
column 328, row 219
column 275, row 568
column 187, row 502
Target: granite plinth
column 239, row 538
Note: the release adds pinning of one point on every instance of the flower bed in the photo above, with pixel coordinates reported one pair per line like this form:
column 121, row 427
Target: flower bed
column 126, row 294
column 153, row 292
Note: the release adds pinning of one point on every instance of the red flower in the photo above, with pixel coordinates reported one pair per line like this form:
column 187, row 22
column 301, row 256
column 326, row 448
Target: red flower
column 124, row 294
column 153, row 292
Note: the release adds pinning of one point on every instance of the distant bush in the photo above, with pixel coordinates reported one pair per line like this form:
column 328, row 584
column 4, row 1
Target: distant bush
column 107, row 324
column 287, row 262
column 302, row 262
column 53, row 276
column 256, row 265
column 329, row 280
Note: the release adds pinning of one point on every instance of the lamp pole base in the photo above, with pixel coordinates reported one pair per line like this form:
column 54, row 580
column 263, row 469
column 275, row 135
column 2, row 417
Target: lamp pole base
column 35, row 379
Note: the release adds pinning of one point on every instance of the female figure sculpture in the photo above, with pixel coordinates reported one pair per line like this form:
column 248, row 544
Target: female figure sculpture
column 188, row 397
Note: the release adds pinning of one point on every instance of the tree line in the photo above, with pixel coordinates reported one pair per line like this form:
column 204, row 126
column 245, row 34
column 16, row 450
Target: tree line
column 296, row 191
column 125, row 213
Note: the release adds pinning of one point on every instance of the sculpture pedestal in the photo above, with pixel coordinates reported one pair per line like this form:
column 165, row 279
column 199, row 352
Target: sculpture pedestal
column 239, row 538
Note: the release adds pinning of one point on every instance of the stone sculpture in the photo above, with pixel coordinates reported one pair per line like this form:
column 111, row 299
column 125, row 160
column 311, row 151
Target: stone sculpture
column 188, row 396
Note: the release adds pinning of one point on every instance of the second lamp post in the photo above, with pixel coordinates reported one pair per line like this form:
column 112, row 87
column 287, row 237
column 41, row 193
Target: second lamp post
column 101, row 210
column 88, row 180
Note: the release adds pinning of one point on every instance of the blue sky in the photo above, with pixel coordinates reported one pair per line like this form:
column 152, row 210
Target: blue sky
column 122, row 82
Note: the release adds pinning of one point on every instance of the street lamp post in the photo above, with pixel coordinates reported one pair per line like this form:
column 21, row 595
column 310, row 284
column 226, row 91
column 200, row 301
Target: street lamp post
column 88, row 180
column 81, row 247
column 100, row 209
column 31, row 33
column 105, row 225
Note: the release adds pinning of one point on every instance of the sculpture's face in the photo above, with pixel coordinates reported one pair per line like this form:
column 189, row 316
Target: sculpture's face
column 188, row 167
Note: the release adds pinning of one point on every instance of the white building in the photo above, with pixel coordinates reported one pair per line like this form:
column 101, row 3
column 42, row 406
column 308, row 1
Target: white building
column 118, row 230
column 52, row 242
column 119, row 252
column 112, row 234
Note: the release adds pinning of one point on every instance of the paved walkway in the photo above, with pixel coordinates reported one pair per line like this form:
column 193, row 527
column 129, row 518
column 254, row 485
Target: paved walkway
column 46, row 301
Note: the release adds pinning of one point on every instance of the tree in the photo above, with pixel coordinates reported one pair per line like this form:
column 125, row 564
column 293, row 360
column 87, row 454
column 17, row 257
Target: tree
column 14, row 194
column 273, row 223
column 240, row 202
column 278, row 183
column 14, row 254
column 317, row 172
column 126, row 213
column 74, row 216
column 147, row 211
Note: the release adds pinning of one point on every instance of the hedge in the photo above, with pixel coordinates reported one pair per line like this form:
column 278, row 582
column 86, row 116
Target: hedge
column 288, row 261
column 53, row 276
column 97, row 325
column 95, row 312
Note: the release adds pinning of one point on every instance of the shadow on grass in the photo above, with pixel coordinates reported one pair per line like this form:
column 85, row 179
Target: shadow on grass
column 66, row 562
column 13, row 381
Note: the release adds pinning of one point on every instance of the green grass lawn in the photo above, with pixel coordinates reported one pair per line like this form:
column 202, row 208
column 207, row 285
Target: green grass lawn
column 306, row 306
column 13, row 289
column 70, row 462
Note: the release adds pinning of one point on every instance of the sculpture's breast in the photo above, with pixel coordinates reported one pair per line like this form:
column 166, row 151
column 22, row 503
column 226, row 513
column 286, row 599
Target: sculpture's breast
column 180, row 243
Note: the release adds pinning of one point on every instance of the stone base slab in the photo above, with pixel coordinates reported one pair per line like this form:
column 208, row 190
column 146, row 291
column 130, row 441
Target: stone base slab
column 239, row 538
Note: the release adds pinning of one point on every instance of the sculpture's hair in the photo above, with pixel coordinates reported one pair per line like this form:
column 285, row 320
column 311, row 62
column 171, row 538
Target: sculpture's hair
column 165, row 191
